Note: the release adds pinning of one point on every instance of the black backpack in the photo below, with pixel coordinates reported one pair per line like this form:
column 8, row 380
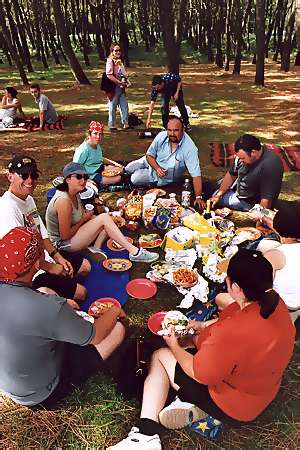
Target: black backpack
column 106, row 84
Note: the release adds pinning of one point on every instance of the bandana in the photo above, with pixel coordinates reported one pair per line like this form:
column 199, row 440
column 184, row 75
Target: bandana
column 19, row 250
column 96, row 126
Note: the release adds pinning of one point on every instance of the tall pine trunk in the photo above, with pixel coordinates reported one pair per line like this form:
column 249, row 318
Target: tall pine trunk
column 260, row 43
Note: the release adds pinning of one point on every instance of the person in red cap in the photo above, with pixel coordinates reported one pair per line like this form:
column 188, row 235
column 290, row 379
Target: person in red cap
column 20, row 210
column 89, row 154
column 46, row 348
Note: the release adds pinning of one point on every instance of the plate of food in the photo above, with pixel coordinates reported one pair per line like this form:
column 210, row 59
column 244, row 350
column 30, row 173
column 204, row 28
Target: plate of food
column 100, row 306
column 151, row 240
column 157, row 191
column 141, row 288
column 249, row 233
column 117, row 264
column 112, row 171
column 162, row 322
column 161, row 267
column 119, row 221
column 185, row 277
column 223, row 224
column 113, row 245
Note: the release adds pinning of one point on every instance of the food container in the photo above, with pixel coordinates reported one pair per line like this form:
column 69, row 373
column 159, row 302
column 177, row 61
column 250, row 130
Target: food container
column 179, row 238
column 205, row 232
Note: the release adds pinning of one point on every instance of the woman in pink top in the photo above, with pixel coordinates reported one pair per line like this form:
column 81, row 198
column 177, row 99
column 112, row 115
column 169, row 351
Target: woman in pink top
column 116, row 72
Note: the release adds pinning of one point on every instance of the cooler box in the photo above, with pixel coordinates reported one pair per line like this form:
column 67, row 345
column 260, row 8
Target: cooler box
column 179, row 238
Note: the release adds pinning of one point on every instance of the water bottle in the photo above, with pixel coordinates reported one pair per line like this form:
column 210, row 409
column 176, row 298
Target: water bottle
column 186, row 193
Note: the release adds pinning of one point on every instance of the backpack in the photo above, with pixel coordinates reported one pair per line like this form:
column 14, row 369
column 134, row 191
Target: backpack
column 134, row 120
column 106, row 84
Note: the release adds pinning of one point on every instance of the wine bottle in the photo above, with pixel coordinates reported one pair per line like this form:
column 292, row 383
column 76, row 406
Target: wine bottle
column 207, row 212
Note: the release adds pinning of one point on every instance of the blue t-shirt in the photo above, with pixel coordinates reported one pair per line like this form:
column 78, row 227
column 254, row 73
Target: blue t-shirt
column 89, row 157
column 47, row 107
column 171, row 81
column 175, row 162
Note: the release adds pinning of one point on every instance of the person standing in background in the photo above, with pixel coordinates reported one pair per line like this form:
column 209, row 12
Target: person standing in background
column 116, row 73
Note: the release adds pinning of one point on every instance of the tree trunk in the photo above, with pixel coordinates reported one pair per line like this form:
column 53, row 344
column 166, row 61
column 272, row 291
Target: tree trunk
column 228, row 35
column 167, row 24
column 297, row 18
column 124, row 42
column 76, row 68
column 260, row 43
column 239, row 39
column 11, row 46
column 287, row 44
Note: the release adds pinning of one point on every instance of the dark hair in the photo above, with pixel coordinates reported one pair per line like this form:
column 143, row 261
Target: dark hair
column 12, row 91
column 172, row 117
column 247, row 142
column 254, row 274
column 286, row 220
column 64, row 187
column 157, row 79
column 35, row 86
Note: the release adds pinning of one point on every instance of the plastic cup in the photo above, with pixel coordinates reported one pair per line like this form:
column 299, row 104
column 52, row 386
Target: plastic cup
column 89, row 207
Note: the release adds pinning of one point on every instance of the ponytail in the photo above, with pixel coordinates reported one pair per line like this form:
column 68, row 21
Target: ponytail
column 268, row 302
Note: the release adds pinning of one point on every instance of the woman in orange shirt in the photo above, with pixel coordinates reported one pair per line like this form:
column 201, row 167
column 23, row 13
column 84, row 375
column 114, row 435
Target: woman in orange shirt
column 235, row 369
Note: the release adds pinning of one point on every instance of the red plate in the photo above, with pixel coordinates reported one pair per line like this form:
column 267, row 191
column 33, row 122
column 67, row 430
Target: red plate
column 154, row 321
column 141, row 288
column 103, row 300
column 111, row 246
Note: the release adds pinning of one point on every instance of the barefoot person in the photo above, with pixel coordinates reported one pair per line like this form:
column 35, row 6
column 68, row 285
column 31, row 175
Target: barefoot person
column 236, row 368
column 72, row 228
column 89, row 154
column 46, row 348
column 10, row 106
column 116, row 72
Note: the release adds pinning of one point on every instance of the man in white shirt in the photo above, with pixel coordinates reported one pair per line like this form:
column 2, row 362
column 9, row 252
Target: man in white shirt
column 20, row 211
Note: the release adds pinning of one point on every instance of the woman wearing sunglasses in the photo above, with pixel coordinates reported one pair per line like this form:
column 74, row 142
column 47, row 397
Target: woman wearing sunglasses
column 90, row 155
column 116, row 72
column 72, row 228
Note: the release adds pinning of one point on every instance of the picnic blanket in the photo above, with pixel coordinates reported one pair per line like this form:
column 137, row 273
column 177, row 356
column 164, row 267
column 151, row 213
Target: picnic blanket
column 32, row 124
column 103, row 283
column 222, row 155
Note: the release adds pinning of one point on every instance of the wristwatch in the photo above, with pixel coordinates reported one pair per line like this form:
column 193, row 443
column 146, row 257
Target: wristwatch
column 53, row 253
column 199, row 196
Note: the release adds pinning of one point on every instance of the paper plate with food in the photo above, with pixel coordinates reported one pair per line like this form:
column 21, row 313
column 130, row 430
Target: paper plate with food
column 113, row 245
column 248, row 233
column 151, row 240
column 161, row 323
column 223, row 224
column 100, row 306
column 185, row 277
column 223, row 212
column 117, row 264
column 112, row 171
column 157, row 191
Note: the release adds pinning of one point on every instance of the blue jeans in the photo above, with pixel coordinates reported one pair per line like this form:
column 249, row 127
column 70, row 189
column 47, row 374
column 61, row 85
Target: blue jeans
column 120, row 100
column 165, row 108
column 232, row 201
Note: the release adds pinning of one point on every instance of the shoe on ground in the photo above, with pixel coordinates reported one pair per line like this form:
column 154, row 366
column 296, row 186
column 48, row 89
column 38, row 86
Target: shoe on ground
column 188, row 128
column 144, row 256
column 138, row 441
column 180, row 414
column 97, row 253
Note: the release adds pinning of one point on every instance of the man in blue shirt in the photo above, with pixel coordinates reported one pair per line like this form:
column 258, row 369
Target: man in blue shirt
column 47, row 112
column 167, row 158
column 168, row 85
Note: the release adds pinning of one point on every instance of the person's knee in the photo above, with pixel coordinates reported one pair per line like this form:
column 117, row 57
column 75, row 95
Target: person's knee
column 136, row 179
column 80, row 293
column 85, row 268
column 161, row 354
column 46, row 290
column 222, row 300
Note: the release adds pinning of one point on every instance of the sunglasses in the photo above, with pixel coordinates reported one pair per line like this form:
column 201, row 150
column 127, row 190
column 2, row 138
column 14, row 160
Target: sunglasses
column 79, row 176
column 117, row 50
column 25, row 175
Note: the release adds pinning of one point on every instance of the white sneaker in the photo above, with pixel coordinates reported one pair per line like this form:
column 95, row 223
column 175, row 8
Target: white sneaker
column 138, row 441
column 180, row 414
column 144, row 256
column 97, row 252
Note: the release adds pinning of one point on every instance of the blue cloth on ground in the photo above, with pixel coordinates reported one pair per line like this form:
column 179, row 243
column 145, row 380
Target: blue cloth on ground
column 103, row 283
column 207, row 427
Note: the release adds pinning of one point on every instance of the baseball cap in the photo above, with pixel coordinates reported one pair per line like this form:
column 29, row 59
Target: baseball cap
column 73, row 168
column 19, row 163
column 20, row 248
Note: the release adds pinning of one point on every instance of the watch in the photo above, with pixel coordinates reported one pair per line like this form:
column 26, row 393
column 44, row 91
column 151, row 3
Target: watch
column 53, row 253
column 199, row 196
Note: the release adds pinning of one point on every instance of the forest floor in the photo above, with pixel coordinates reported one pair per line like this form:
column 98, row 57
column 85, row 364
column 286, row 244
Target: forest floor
column 228, row 106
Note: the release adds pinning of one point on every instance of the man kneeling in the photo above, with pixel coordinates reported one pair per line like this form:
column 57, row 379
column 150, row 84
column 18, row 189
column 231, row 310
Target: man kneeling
column 44, row 344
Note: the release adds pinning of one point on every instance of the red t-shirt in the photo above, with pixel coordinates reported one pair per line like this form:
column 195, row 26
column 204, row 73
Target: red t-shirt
column 241, row 358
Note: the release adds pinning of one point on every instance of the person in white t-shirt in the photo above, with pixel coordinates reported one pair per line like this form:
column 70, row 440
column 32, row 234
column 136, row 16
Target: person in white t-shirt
column 9, row 107
column 20, row 210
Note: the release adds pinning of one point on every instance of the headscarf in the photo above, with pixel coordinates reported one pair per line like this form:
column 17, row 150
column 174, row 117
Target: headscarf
column 96, row 126
column 20, row 248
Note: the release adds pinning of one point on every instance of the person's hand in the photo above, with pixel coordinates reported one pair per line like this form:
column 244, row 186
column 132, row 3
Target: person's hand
column 67, row 266
column 255, row 215
column 200, row 203
column 87, row 215
column 214, row 200
column 73, row 304
column 123, row 84
column 176, row 95
column 172, row 340
column 161, row 172
column 55, row 269
column 196, row 325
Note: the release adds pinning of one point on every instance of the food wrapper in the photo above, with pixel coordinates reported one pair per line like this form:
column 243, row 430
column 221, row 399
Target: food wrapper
column 148, row 200
column 181, row 257
column 210, row 269
column 207, row 427
column 179, row 238
column 205, row 232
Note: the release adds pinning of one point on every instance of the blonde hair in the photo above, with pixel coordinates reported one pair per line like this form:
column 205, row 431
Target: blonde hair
column 111, row 54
